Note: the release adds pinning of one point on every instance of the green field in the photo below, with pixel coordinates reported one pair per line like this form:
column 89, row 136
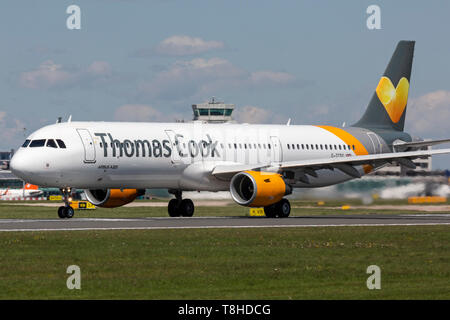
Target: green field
column 287, row 263
column 10, row 210
column 262, row 263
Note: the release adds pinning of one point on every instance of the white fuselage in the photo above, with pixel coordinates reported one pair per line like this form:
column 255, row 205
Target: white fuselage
column 170, row 155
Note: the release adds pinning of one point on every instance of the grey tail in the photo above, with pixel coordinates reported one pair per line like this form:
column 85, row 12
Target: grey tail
column 387, row 109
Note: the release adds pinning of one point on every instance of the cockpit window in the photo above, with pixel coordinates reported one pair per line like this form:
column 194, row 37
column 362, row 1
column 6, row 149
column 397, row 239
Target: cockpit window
column 51, row 143
column 37, row 143
column 61, row 143
column 26, row 143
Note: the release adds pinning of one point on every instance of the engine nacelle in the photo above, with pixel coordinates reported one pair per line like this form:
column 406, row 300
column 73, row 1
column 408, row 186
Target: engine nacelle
column 112, row 198
column 258, row 189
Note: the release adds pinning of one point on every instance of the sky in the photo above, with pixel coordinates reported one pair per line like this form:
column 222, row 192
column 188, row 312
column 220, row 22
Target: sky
column 315, row 62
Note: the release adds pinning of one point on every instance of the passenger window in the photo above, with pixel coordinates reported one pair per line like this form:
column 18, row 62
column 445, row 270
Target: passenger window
column 61, row 143
column 289, row 147
column 51, row 143
column 26, row 143
column 37, row 143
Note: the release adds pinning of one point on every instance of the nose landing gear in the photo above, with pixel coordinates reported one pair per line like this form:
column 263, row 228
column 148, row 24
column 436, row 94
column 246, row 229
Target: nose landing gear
column 180, row 207
column 66, row 211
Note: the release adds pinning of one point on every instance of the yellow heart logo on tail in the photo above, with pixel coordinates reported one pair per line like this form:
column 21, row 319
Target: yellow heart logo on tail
column 393, row 99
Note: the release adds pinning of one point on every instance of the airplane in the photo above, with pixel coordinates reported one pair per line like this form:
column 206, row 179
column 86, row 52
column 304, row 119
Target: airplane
column 114, row 162
column 28, row 190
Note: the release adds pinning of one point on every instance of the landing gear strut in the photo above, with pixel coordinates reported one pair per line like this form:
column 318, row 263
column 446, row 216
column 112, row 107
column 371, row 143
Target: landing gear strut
column 180, row 207
column 281, row 209
column 66, row 211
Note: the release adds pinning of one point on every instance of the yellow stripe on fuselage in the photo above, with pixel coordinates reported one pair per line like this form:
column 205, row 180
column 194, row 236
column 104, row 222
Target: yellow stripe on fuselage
column 350, row 140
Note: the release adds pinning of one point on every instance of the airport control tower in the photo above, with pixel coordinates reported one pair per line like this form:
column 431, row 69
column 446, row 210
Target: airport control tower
column 213, row 111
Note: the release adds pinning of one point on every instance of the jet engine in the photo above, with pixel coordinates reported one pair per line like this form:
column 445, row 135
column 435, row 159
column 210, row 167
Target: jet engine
column 258, row 189
column 112, row 198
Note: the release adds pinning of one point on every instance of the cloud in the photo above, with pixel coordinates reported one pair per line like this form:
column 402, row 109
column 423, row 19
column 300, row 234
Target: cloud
column 51, row 75
column 253, row 114
column 101, row 68
column 142, row 113
column 205, row 77
column 428, row 115
column 48, row 74
column 12, row 130
column 270, row 77
column 180, row 45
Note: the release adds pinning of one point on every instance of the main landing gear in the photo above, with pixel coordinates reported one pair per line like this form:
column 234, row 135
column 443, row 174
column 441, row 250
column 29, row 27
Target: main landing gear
column 281, row 209
column 180, row 207
column 66, row 211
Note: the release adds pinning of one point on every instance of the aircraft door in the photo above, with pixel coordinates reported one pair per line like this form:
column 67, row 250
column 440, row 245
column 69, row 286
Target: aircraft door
column 276, row 154
column 88, row 144
column 176, row 148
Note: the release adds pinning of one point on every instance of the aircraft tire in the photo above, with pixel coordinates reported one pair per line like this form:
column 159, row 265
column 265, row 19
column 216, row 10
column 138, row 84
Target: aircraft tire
column 283, row 208
column 270, row 211
column 172, row 207
column 61, row 212
column 187, row 208
column 69, row 212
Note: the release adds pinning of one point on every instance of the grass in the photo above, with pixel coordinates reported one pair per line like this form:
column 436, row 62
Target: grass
column 263, row 263
column 287, row 263
column 9, row 210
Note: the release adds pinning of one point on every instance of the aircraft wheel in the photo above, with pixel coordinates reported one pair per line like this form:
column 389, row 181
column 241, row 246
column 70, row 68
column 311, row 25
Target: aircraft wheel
column 270, row 211
column 284, row 208
column 69, row 212
column 187, row 208
column 61, row 212
column 173, row 208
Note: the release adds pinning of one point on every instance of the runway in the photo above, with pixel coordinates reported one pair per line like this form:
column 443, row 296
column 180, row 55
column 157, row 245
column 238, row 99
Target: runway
column 220, row 222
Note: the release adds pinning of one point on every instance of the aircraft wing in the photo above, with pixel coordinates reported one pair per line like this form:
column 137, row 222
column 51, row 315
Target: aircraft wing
column 344, row 164
column 419, row 144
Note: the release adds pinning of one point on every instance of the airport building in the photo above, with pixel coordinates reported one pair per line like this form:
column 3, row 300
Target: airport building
column 213, row 111
column 5, row 157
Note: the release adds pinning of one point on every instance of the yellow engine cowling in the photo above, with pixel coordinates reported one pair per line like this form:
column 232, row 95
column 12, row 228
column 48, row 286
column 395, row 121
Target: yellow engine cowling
column 258, row 189
column 112, row 198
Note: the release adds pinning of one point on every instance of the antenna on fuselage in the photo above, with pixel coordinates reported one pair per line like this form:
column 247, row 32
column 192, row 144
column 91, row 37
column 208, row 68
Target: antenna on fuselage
column 289, row 122
column 70, row 119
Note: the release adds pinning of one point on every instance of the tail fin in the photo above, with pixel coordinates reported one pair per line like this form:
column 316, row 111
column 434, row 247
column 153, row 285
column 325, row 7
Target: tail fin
column 387, row 109
column 29, row 186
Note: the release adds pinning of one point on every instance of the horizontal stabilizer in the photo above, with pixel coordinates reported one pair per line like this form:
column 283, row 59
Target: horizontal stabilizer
column 401, row 146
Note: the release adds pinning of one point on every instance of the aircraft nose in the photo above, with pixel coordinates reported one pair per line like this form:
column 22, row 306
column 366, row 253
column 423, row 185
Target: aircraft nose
column 20, row 165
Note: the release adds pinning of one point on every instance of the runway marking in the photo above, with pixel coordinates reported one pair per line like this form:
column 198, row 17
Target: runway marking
column 230, row 227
